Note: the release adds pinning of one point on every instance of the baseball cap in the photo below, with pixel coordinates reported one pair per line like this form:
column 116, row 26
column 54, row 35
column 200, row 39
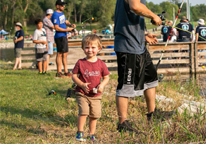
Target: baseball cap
column 170, row 21
column 49, row 11
column 60, row 2
column 201, row 22
column 18, row 24
column 183, row 18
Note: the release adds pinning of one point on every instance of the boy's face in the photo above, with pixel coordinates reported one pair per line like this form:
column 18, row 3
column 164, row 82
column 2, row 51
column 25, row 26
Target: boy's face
column 91, row 49
column 39, row 25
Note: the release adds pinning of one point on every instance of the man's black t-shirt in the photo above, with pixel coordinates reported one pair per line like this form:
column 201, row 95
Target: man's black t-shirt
column 18, row 34
column 166, row 30
column 129, row 29
column 186, row 27
column 201, row 30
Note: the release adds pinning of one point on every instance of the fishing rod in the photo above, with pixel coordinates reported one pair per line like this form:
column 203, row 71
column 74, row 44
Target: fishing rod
column 170, row 34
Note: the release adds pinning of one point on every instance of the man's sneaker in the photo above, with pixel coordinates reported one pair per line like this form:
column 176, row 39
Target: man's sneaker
column 158, row 114
column 126, row 126
column 79, row 137
column 68, row 74
column 92, row 138
column 59, row 74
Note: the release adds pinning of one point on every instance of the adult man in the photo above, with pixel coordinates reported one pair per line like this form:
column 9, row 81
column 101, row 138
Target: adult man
column 183, row 35
column 201, row 30
column 201, row 33
column 48, row 25
column 19, row 44
column 136, row 72
column 166, row 30
column 60, row 22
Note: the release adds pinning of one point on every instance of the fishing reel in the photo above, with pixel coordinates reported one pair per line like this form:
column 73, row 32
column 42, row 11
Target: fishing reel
column 162, row 17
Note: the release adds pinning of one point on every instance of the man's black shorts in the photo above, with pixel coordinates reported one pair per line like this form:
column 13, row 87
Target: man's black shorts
column 61, row 44
column 136, row 73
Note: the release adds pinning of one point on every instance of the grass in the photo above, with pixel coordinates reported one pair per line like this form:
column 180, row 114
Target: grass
column 29, row 115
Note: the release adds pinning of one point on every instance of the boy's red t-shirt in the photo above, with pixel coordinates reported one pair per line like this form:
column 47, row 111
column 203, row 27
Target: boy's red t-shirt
column 90, row 72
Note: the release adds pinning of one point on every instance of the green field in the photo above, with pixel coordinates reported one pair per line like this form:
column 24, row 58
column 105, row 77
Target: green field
column 29, row 115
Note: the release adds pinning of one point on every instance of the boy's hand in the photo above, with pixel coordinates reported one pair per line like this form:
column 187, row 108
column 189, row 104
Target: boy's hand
column 44, row 42
column 85, row 87
column 100, row 89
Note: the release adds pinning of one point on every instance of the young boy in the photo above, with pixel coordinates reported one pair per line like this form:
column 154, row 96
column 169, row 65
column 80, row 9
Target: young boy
column 87, row 74
column 41, row 46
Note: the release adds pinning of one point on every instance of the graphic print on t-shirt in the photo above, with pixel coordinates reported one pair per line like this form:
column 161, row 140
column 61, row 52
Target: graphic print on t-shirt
column 165, row 30
column 62, row 19
column 203, row 32
column 185, row 27
column 87, row 73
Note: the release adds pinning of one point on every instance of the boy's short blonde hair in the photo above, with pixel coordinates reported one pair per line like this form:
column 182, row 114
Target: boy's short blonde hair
column 91, row 38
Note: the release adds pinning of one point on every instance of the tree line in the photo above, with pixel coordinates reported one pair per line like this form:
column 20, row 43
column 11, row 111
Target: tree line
column 77, row 11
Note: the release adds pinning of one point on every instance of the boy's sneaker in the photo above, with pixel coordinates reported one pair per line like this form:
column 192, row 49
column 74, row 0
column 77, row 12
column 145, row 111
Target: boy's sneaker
column 79, row 137
column 126, row 126
column 40, row 73
column 44, row 72
column 92, row 138
column 68, row 74
column 59, row 74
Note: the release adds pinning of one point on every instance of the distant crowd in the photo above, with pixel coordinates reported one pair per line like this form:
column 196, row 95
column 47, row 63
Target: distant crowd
column 184, row 31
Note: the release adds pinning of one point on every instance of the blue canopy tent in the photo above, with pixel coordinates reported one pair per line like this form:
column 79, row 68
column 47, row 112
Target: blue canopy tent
column 3, row 32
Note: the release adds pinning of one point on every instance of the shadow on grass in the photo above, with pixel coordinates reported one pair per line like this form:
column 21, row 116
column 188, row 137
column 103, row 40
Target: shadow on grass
column 48, row 116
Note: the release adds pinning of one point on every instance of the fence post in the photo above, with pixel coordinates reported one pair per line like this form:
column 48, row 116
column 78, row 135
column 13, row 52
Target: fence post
column 195, row 60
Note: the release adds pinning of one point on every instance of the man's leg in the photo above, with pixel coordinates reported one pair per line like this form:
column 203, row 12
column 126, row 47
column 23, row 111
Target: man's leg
column 16, row 63
column 59, row 62
column 150, row 99
column 65, row 62
column 122, row 108
column 19, row 67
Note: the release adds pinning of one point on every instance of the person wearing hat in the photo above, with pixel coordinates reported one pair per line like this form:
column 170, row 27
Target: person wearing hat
column 201, row 30
column 19, row 45
column 48, row 26
column 60, row 25
column 201, row 34
column 182, row 33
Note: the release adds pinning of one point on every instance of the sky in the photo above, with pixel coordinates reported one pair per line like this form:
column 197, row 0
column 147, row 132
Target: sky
column 193, row 2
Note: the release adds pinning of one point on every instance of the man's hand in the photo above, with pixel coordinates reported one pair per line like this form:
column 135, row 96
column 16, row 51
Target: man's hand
column 85, row 87
column 151, row 39
column 74, row 26
column 157, row 20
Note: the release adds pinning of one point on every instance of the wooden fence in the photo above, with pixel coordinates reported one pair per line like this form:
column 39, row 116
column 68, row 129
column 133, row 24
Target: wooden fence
column 182, row 57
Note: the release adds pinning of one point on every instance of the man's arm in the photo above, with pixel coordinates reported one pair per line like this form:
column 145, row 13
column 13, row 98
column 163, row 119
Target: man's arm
column 19, row 39
column 57, row 28
column 140, row 9
column 49, row 24
column 196, row 38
